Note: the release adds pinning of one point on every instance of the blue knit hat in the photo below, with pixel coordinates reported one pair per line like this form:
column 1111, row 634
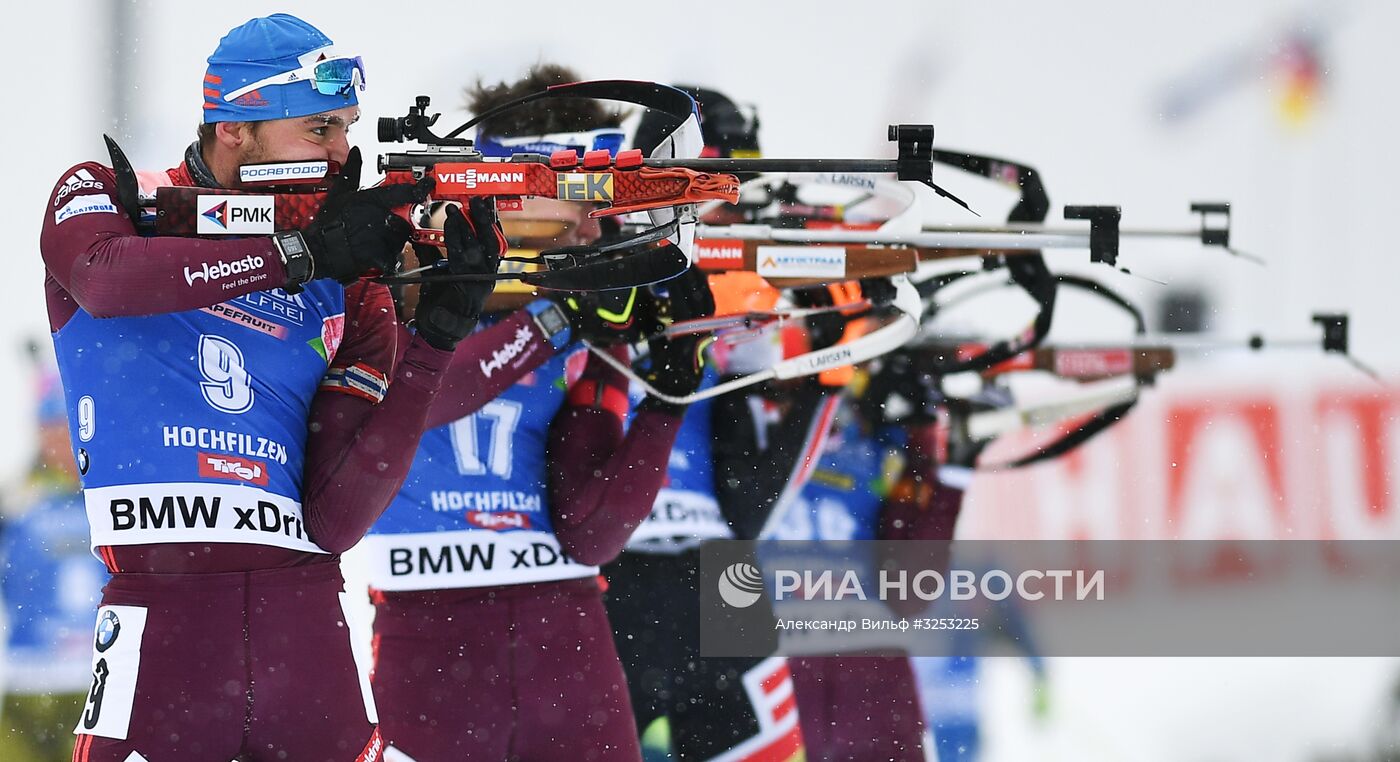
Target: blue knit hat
column 265, row 48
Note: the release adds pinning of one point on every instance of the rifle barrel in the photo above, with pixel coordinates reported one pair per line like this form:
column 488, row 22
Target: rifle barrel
column 1031, row 227
column 1001, row 240
column 778, row 165
column 1198, row 344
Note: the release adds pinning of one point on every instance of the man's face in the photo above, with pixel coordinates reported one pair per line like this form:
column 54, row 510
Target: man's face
column 547, row 223
column 323, row 136
column 542, row 223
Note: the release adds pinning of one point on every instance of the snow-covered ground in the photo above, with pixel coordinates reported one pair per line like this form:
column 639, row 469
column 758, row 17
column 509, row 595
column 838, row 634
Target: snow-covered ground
column 1190, row 710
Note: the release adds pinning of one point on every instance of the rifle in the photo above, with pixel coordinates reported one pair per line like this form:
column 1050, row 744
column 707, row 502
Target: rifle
column 797, row 256
column 667, row 185
column 1108, row 403
column 1028, row 271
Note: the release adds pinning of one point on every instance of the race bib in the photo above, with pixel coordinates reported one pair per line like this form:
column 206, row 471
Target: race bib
column 679, row 520
column 443, row 560
column 147, row 514
column 116, row 661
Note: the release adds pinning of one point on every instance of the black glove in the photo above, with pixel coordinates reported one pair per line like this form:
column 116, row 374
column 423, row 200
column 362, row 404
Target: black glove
column 963, row 450
column 684, row 297
column 827, row 328
column 448, row 310
column 823, row 329
column 880, row 291
column 355, row 232
column 899, row 375
column 609, row 318
column 677, row 364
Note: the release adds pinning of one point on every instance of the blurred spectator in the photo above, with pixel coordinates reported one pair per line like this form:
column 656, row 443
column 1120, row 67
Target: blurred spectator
column 949, row 685
column 50, row 583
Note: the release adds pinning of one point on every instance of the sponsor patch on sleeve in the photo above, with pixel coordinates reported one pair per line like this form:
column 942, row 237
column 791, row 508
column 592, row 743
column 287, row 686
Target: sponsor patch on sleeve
column 97, row 203
column 81, row 179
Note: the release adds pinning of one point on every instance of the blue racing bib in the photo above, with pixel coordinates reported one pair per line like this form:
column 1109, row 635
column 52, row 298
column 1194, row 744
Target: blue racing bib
column 474, row 510
column 191, row 426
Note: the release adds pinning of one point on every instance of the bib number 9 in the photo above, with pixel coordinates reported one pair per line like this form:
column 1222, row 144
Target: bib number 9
column 87, row 418
column 227, row 387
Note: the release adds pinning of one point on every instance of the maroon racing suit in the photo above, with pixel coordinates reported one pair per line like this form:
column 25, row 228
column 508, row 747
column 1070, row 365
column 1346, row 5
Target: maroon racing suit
column 209, row 648
column 498, row 663
column 867, row 706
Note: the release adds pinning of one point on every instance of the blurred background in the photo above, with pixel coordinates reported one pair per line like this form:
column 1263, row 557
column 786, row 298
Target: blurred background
column 1285, row 109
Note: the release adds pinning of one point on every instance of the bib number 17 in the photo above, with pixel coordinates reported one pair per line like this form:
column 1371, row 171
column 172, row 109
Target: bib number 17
column 501, row 418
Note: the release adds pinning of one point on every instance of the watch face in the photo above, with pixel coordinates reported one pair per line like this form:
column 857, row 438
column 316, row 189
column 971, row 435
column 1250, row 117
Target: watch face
column 292, row 245
column 552, row 320
column 296, row 257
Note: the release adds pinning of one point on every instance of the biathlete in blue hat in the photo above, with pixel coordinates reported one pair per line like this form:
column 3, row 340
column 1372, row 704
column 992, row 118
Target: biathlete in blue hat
column 233, row 419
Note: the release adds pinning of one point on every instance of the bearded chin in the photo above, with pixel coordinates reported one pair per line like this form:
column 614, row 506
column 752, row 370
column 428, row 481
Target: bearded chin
column 253, row 152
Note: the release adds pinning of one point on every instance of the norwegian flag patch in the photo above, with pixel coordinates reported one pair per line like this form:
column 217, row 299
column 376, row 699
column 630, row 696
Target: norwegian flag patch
column 359, row 380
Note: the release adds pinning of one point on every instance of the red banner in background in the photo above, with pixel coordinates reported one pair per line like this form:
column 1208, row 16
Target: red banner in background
column 1271, row 461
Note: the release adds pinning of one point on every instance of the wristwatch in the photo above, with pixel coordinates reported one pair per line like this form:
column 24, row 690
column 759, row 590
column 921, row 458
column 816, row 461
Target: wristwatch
column 296, row 258
column 551, row 321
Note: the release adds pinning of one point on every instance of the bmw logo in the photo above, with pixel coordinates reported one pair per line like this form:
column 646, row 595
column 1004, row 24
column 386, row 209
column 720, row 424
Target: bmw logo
column 740, row 585
column 108, row 627
column 83, row 461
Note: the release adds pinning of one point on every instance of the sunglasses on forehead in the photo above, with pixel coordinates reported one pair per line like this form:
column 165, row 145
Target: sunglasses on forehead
column 333, row 76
